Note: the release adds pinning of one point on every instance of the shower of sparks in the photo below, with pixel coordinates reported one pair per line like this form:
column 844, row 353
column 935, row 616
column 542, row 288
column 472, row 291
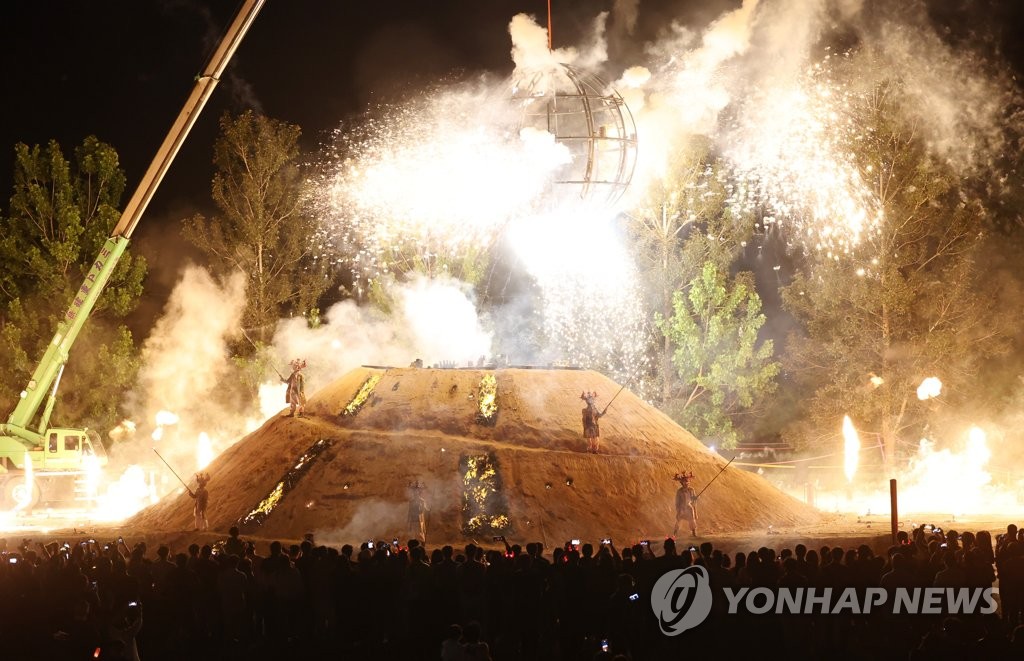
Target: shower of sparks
column 433, row 179
column 592, row 306
column 792, row 144
column 429, row 186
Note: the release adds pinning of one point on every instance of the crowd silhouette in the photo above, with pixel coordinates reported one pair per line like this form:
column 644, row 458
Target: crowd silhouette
column 84, row 599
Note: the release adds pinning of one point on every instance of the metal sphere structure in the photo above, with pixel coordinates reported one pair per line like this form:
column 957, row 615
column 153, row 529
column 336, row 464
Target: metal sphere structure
column 591, row 120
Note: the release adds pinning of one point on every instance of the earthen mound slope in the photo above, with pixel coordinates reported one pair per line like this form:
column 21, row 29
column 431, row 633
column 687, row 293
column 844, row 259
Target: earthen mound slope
column 377, row 436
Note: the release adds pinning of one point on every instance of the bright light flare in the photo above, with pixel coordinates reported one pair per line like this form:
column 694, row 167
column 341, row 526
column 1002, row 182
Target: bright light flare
column 166, row 418
column 929, row 389
column 127, row 495
column 204, row 451
column 954, row 481
column 592, row 303
column 851, row 449
column 438, row 176
column 790, row 143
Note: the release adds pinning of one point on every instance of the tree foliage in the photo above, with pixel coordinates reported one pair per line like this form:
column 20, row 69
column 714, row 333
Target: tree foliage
column 905, row 305
column 722, row 366
column 261, row 229
column 683, row 222
column 60, row 215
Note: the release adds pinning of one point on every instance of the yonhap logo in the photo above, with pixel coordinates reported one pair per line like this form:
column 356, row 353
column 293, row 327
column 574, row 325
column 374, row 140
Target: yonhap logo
column 681, row 599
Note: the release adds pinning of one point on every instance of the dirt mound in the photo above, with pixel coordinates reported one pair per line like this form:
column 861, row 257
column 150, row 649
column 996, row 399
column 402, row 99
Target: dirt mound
column 491, row 451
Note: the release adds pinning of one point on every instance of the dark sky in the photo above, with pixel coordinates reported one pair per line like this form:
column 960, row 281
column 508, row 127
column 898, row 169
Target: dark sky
column 121, row 69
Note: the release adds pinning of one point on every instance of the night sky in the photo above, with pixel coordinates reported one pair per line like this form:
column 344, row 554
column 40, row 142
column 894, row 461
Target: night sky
column 121, row 69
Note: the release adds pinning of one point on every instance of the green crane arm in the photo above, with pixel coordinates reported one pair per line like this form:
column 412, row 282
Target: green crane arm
column 56, row 354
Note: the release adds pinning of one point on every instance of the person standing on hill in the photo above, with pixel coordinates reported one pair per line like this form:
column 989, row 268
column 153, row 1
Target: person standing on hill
column 295, row 393
column 686, row 500
column 202, row 498
column 417, row 523
column 591, row 428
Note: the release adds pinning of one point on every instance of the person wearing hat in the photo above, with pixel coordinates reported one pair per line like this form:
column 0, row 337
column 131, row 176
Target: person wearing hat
column 418, row 508
column 202, row 498
column 591, row 428
column 295, row 394
column 686, row 500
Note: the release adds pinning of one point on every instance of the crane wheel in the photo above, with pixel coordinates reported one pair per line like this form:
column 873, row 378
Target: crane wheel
column 19, row 495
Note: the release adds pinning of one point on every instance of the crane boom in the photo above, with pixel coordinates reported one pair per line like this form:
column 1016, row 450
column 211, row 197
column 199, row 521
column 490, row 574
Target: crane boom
column 56, row 354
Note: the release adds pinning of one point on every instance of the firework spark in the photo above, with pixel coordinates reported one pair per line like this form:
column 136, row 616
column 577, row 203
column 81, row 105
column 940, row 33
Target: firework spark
column 792, row 144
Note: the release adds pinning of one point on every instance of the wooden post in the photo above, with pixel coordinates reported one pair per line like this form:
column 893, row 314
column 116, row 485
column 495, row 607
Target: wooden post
column 893, row 513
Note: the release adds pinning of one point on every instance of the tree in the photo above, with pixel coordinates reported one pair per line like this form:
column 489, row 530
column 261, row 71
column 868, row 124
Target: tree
column 905, row 304
column 721, row 365
column 683, row 222
column 60, row 215
column 262, row 229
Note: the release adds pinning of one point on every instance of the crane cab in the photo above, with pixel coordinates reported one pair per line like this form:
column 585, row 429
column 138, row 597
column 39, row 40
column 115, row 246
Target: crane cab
column 72, row 449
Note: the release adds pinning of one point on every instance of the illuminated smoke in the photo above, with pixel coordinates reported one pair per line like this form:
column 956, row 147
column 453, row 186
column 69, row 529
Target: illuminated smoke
column 435, row 320
column 180, row 392
column 531, row 55
column 423, row 185
column 592, row 307
column 851, row 449
column 432, row 179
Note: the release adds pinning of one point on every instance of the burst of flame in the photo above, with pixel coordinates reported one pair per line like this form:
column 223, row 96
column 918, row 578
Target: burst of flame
column 204, row 451
column 163, row 419
column 851, row 449
column 362, row 395
column 166, row 418
column 952, row 481
column 127, row 495
column 267, row 505
column 929, row 388
column 488, row 398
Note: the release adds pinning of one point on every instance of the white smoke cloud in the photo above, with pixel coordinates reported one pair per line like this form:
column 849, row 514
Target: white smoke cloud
column 533, row 58
column 184, row 360
column 435, row 320
column 185, row 355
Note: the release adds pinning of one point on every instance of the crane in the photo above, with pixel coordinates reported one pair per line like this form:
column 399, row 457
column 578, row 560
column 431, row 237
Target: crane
column 39, row 462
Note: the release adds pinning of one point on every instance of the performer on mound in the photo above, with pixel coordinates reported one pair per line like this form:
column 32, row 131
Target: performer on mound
column 417, row 522
column 591, row 428
column 686, row 500
column 295, row 393
column 202, row 498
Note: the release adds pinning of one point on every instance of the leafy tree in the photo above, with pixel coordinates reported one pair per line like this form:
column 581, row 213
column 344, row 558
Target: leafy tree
column 908, row 303
column 262, row 229
column 683, row 222
column 60, row 215
column 721, row 365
